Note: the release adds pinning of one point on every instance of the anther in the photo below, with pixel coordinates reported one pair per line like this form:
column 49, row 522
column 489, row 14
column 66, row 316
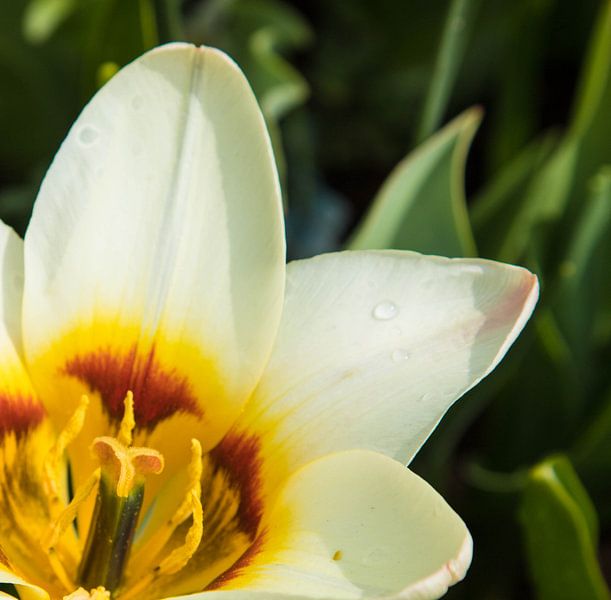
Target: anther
column 153, row 546
column 179, row 557
column 99, row 593
column 69, row 514
column 54, row 463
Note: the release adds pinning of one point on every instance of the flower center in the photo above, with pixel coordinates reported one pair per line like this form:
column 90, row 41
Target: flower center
column 119, row 487
column 118, row 503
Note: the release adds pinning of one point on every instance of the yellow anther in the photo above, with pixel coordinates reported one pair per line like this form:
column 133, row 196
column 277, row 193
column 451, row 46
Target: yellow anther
column 126, row 466
column 98, row 593
column 194, row 486
column 179, row 557
column 128, row 423
column 69, row 514
column 54, row 464
column 153, row 546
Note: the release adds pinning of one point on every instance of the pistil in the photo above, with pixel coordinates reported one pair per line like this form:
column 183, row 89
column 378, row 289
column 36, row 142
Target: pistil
column 118, row 504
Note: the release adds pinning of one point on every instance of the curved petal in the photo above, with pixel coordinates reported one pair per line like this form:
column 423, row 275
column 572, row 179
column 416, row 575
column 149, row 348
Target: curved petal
column 355, row 524
column 155, row 255
column 27, row 591
column 25, row 440
column 374, row 347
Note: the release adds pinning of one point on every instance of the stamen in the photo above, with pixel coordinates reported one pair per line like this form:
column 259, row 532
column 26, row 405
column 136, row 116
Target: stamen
column 53, row 466
column 195, row 483
column 99, row 593
column 64, row 554
column 128, row 423
column 181, row 556
column 71, row 511
column 159, row 539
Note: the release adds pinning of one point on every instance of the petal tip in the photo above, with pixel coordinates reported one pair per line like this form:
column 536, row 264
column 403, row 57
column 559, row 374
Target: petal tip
column 453, row 571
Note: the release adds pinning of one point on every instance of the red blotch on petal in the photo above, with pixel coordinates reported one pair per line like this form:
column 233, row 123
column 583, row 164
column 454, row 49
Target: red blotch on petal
column 159, row 393
column 239, row 456
column 19, row 414
column 238, row 567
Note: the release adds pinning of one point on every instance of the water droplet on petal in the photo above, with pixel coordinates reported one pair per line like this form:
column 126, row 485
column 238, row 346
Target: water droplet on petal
column 384, row 311
column 88, row 135
column 400, row 355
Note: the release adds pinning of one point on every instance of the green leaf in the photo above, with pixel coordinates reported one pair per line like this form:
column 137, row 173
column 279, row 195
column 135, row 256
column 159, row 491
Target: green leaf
column 558, row 192
column 590, row 453
column 497, row 203
column 576, row 298
column 560, row 530
column 456, row 32
column 544, row 201
column 421, row 206
column 43, row 17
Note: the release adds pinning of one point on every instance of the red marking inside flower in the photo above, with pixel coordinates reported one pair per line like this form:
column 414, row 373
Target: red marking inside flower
column 238, row 567
column 19, row 414
column 239, row 456
column 159, row 393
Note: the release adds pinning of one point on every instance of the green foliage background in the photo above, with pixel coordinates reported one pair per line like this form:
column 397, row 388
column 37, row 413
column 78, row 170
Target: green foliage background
column 455, row 127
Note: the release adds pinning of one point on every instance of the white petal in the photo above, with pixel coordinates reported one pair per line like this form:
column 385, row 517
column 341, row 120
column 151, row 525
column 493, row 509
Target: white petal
column 11, row 272
column 158, row 234
column 356, row 524
column 374, row 347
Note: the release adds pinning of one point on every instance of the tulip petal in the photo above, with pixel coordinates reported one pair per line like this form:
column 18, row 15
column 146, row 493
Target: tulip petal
column 374, row 347
column 155, row 255
column 25, row 440
column 27, row 591
column 351, row 525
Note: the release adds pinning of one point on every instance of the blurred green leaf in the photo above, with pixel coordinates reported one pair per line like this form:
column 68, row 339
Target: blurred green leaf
column 590, row 452
column 43, row 17
column 544, row 201
column 560, row 187
column 456, row 32
column 421, row 206
column 496, row 204
column 560, row 529
column 576, row 297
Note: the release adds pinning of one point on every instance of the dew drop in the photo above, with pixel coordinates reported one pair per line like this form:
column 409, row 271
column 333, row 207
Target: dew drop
column 384, row 311
column 88, row 135
column 137, row 102
column 400, row 355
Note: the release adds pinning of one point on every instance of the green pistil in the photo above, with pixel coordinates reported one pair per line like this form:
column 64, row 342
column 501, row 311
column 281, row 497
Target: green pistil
column 110, row 536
